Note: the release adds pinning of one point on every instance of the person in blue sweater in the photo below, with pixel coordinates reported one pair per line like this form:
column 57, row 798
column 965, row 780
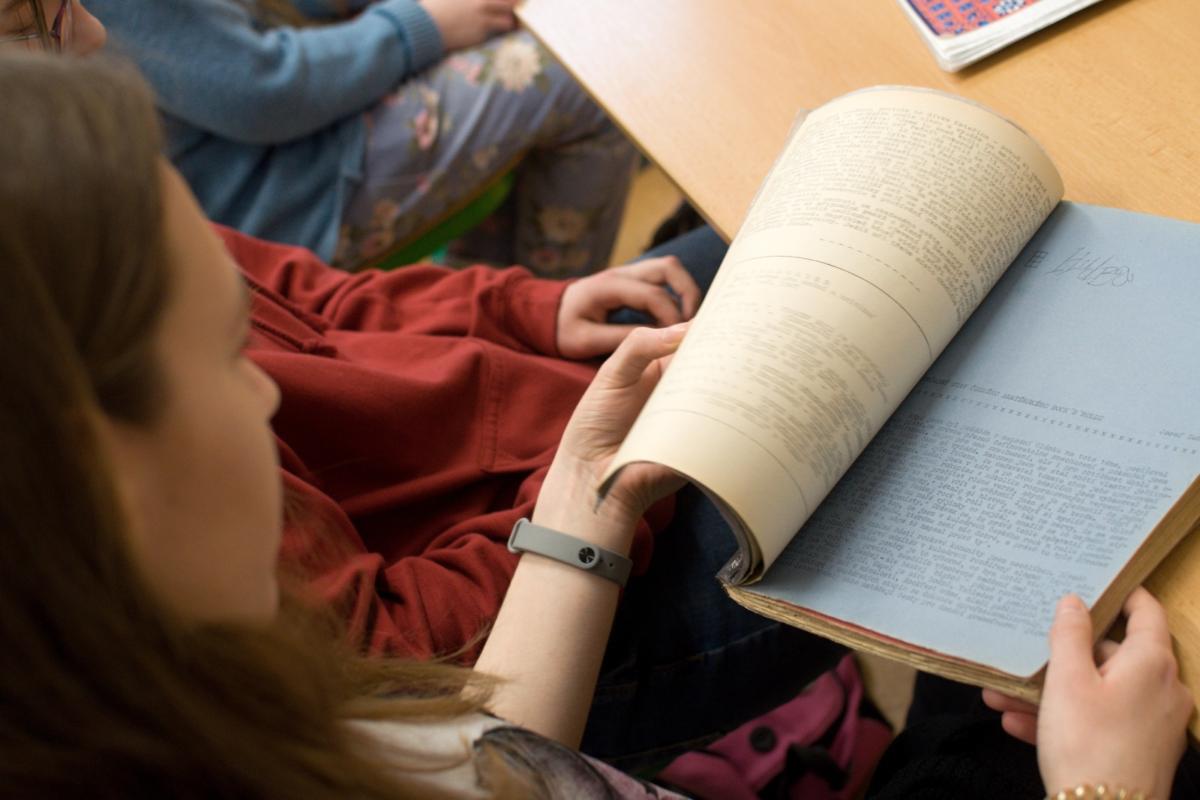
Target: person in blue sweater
column 352, row 126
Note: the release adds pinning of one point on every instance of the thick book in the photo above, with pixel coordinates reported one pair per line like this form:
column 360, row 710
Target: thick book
column 930, row 398
column 961, row 32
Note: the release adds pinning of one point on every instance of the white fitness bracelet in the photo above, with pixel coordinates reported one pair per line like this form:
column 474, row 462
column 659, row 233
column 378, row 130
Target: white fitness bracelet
column 529, row 538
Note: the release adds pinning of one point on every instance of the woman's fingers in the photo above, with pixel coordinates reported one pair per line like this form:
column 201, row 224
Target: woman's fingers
column 1146, row 621
column 641, row 348
column 1020, row 726
column 1018, row 717
column 597, row 338
column 1106, row 650
column 999, row 701
column 1071, row 660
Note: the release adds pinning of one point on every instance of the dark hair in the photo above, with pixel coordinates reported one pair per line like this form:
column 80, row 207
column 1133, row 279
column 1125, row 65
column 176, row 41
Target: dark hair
column 283, row 12
column 103, row 693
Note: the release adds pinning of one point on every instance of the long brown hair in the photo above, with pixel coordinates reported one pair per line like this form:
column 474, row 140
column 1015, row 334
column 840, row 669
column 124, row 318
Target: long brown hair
column 102, row 693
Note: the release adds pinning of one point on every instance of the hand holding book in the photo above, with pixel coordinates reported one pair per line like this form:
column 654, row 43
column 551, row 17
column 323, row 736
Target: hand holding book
column 1052, row 446
column 1117, row 716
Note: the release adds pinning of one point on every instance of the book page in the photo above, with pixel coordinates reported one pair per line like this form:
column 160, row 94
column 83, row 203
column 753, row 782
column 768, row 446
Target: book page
column 1033, row 459
column 887, row 218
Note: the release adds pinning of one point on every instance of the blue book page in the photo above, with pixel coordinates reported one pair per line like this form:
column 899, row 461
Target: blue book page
column 1032, row 459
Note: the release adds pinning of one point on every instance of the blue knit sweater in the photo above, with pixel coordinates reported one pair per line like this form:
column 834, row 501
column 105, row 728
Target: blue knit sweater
column 267, row 124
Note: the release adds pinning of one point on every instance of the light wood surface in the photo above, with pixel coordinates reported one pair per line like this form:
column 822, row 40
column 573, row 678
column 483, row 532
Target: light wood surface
column 1177, row 584
column 709, row 89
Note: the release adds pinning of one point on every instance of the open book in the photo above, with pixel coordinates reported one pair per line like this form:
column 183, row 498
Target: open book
column 961, row 32
column 898, row 484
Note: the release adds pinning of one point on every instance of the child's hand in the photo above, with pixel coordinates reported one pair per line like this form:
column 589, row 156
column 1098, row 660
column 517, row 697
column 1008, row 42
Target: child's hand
column 582, row 330
column 466, row 23
column 1120, row 722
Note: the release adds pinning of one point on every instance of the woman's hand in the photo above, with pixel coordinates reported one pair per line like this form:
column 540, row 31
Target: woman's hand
column 549, row 637
column 466, row 23
column 582, row 330
column 606, row 412
column 1116, row 716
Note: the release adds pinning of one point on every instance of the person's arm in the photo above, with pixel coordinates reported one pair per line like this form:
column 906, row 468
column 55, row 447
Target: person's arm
column 506, row 306
column 1113, row 714
column 551, row 632
column 428, row 604
column 213, row 68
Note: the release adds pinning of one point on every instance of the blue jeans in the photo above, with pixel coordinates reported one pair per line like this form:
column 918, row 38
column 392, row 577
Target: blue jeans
column 685, row 663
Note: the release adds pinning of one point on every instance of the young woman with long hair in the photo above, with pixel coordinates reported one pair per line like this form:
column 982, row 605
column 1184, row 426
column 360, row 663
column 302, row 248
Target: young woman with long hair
column 420, row 411
column 145, row 653
column 145, row 650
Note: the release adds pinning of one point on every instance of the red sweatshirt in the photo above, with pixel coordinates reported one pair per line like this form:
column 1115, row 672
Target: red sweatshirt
column 420, row 410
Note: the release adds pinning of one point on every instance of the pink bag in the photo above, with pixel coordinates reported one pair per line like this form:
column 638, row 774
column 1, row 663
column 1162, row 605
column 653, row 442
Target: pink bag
column 818, row 746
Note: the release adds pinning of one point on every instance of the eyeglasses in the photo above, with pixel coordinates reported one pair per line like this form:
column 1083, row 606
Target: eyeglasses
column 56, row 36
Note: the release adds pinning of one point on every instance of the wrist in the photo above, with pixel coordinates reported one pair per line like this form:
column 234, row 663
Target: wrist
column 569, row 502
column 528, row 537
column 1115, row 771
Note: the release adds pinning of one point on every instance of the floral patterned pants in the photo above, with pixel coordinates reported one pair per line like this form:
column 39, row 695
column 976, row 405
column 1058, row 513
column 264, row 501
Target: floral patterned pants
column 446, row 134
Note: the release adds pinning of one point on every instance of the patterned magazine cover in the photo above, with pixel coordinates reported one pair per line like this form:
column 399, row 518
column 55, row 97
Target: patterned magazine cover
column 949, row 18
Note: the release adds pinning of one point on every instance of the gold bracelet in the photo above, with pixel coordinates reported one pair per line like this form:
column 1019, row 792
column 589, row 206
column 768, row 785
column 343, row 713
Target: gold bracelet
column 1101, row 791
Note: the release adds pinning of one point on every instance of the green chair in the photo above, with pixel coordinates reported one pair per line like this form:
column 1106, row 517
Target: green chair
column 432, row 245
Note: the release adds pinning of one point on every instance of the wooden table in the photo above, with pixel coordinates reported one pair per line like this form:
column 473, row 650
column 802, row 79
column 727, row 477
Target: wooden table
column 709, row 89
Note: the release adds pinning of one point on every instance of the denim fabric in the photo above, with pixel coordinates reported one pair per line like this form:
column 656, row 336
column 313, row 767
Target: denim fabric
column 686, row 664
